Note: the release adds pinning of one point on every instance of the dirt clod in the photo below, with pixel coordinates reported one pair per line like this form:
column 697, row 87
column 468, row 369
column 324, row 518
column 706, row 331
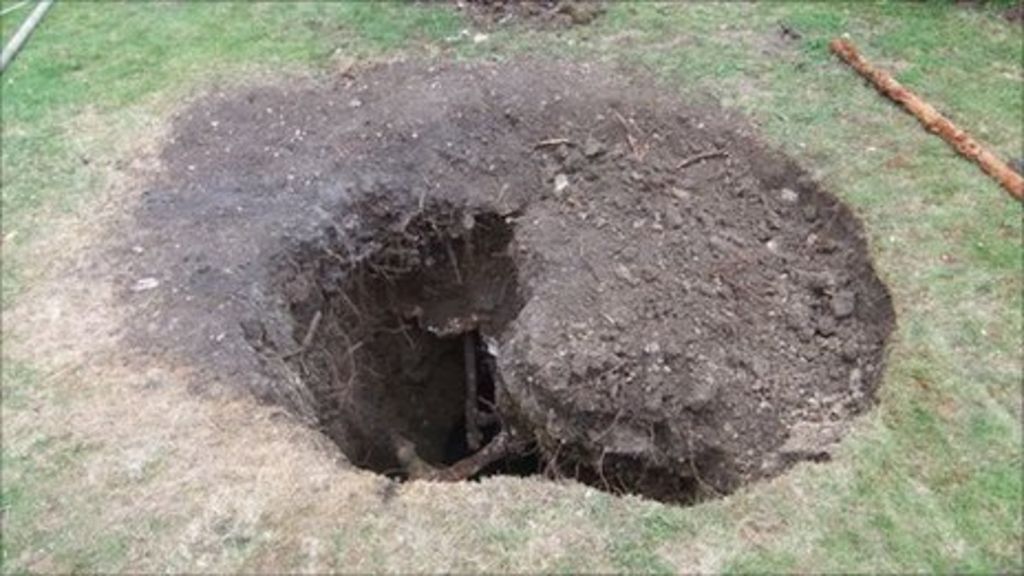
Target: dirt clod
column 671, row 316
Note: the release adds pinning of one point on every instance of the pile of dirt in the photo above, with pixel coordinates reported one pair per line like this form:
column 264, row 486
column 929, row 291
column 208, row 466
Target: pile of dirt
column 1012, row 12
column 1015, row 13
column 538, row 13
column 532, row 267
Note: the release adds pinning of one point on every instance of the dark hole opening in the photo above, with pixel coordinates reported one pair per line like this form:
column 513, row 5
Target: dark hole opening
column 403, row 330
column 456, row 446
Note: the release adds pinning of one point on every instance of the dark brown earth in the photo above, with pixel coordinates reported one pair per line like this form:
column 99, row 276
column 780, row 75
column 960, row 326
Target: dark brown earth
column 654, row 302
column 542, row 14
column 1015, row 13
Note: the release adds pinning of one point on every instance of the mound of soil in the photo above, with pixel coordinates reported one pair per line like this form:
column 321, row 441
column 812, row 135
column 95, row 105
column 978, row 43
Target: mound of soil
column 1015, row 13
column 538, row 13
column 462, row 269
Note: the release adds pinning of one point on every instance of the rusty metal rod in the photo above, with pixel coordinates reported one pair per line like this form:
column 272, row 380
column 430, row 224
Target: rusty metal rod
column 931, row 119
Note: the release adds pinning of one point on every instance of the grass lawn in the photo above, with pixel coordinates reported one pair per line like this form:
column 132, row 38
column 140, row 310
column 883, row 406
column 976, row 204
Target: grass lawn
column 930, row 481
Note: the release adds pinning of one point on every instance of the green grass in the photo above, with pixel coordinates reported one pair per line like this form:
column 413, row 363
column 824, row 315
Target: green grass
column 106, row 57
column 930, row 482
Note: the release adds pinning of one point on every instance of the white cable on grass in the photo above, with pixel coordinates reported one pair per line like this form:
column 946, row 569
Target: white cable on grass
column 23, row 33
column 10, row 9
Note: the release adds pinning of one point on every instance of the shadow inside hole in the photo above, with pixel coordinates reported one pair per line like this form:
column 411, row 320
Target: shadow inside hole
column 457, row 447
column 390, row 369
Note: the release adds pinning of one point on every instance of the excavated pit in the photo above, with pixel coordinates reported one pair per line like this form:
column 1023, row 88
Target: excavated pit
column 395, row 333
column 646, row 298
column 399, row 348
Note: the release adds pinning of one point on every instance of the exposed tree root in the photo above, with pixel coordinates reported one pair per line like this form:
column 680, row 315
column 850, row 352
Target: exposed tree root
column 701, row 157
column 498, row 448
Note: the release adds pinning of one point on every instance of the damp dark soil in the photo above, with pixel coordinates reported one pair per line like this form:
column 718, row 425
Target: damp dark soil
column 1015, row 13
column 454, row 270
column 544, row 14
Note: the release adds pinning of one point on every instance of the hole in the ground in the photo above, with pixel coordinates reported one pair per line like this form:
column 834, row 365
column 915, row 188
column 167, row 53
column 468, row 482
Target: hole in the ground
column 401, row 358
column 701, row 314
column 401, row 346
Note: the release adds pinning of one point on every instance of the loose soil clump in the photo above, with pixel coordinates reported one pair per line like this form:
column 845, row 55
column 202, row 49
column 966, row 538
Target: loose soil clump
column 455, row 270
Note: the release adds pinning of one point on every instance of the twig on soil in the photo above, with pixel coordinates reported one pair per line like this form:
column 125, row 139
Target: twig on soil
column 618, row 414
column 551, row 469
column 930, row 118
column 388, row 273
column 696, row 474
column 629, row 136
column 341, row 260
column 492, row 417
column 455, row 261
column 351, row 305
column 467, row 248
column 473, row 436
column 311, row 331
column 552, row 142
column 600, row 471
column 336, row 377
column 401, row 329
column 350, row 355
column 308, row 338
column 700, row 157
column 501, row 193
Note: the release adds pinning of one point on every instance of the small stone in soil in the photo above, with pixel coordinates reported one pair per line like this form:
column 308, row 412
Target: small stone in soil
column 843, row 303
column 674, row 217
column 681, row 194
column 623, row 272
column 850, row 350
column 144, row 284
column 561, row 183
column 826, row 325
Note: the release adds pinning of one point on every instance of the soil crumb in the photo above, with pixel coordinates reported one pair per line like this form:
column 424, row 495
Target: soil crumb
column 460, row 269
